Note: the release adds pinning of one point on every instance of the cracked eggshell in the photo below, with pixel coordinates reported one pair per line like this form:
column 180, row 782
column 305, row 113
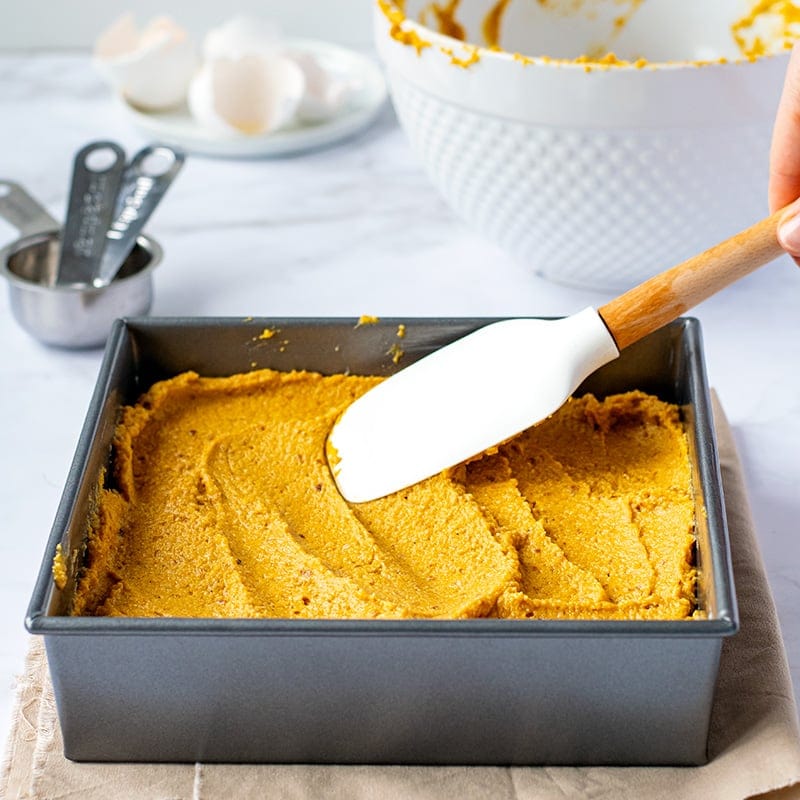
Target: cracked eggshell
column 325, row 93
column 242, row 36
column 150, row 68
column 254, row 94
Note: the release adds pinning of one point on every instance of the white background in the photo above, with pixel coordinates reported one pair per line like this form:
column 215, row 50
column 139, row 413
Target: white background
column 68, row 24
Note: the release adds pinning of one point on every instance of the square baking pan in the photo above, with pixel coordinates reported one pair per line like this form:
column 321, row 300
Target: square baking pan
column 425, row 691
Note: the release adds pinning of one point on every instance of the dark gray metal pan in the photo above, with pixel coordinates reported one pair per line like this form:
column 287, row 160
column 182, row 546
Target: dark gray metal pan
column 365, row 691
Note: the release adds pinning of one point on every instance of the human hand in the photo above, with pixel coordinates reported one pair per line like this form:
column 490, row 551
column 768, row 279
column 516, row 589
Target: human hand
column 784, row 166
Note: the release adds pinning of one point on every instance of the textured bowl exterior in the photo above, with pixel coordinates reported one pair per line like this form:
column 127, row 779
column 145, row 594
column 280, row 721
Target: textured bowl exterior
column 593, row 208
column 596, row 179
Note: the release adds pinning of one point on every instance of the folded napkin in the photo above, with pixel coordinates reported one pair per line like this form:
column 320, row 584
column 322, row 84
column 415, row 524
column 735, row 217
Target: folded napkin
column 754, row 740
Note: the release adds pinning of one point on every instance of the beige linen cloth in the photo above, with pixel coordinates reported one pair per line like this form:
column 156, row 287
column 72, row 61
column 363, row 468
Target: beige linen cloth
column 754, row 744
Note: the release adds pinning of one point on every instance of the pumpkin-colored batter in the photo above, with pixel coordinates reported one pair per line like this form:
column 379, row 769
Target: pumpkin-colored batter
column 223, row 505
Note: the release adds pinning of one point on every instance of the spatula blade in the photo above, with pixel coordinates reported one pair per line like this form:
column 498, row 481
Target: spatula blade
column 462, row 399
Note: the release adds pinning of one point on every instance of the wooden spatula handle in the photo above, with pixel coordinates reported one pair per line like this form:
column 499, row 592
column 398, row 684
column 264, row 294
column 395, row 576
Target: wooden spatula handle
column 666, row 296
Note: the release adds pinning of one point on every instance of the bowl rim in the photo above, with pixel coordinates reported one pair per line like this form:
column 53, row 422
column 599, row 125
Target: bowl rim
column 489, row 87
column 442, row 42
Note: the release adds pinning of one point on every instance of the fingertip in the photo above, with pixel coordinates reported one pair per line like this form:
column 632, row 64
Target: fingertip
column 789, row 230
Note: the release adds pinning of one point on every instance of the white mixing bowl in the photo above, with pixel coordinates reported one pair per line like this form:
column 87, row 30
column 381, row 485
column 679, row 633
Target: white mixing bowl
column 594, row 175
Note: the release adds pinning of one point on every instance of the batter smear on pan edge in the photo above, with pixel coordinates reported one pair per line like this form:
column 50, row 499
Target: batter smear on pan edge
column 223, row 506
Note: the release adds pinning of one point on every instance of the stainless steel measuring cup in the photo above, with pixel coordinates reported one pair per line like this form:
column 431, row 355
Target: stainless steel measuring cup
column 76, row 315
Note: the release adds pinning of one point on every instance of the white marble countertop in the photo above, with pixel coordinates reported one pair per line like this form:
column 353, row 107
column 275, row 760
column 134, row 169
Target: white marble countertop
column 354, row 229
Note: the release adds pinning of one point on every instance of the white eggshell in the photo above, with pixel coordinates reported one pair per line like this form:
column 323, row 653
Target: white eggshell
column 151, row 68
column 241, row 36
column 325, row 93
column 251, row 95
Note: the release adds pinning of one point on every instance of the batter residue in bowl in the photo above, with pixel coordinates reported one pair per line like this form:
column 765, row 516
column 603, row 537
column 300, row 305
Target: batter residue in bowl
column 768, row 21
column 223, row 505
column 393, row 11
column 769, row 26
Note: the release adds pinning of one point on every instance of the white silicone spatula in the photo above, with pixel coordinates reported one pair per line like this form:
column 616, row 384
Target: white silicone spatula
column 491, row 384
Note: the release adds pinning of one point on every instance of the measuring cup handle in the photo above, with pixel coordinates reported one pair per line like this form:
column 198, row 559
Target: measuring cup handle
column 22, row 211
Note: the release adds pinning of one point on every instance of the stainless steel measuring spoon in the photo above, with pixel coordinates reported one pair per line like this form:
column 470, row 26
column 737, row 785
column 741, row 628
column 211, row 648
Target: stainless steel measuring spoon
column 96, row 177
column 144, row 182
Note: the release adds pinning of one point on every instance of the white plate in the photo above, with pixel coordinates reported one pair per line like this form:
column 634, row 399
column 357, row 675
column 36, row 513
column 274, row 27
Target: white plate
column 179, row 128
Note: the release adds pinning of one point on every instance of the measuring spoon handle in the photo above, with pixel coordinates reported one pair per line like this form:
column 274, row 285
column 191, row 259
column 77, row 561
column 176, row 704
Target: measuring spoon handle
column 143, row 186
column 92, row 198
